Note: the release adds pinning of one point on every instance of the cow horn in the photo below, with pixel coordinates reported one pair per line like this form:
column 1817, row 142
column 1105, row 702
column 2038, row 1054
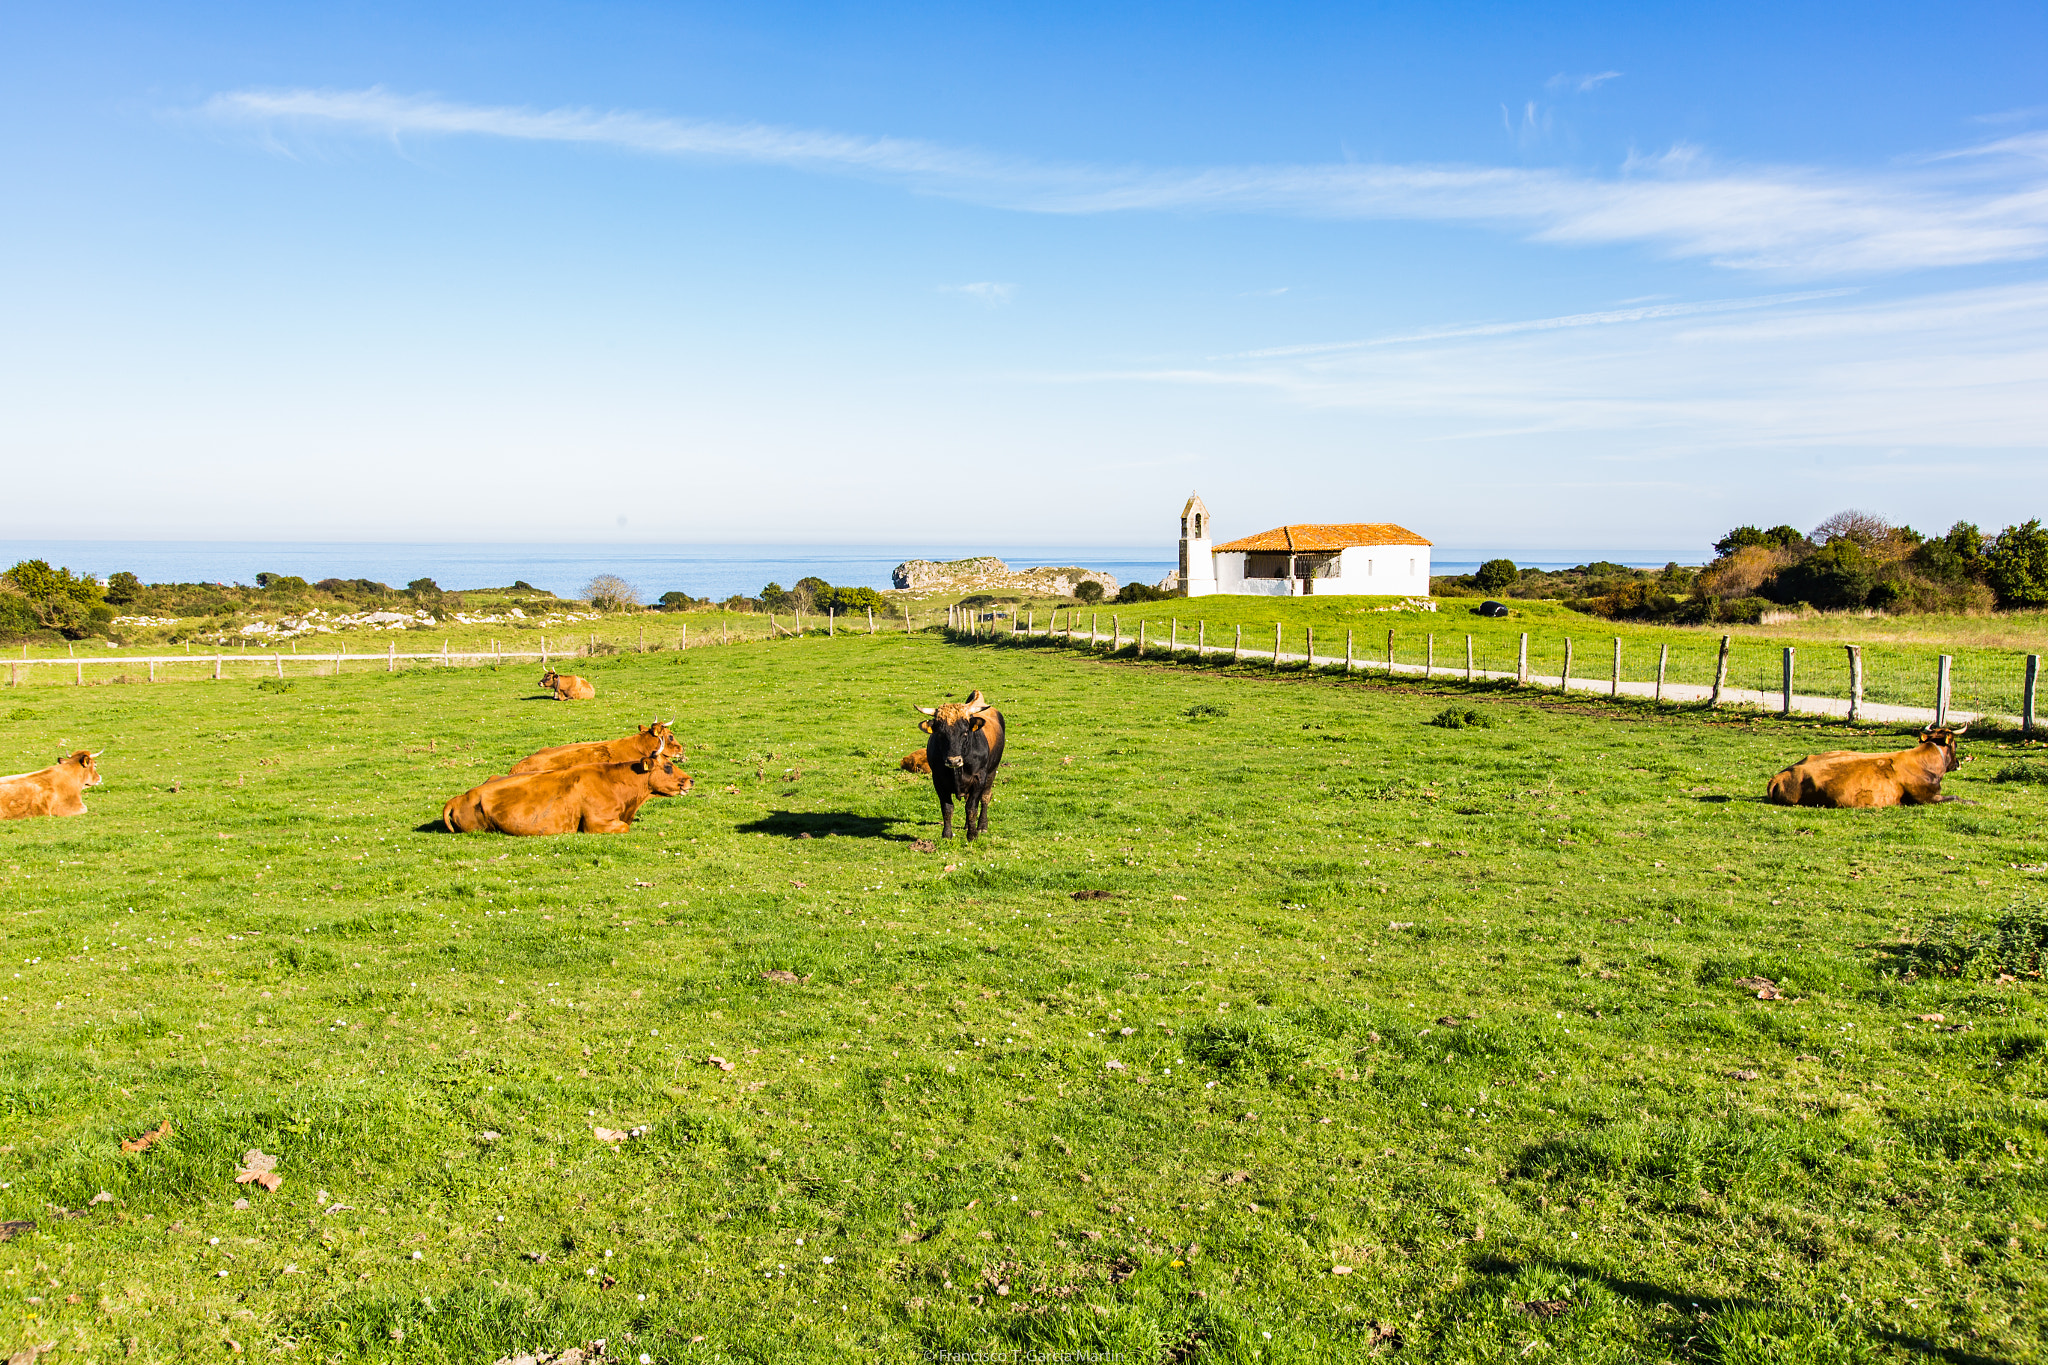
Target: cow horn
column 95, row 753
column 928, row 710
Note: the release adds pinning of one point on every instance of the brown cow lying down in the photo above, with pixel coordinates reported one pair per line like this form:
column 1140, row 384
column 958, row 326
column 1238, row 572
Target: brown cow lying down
column 55, row 790
column 567, row 686
column 599, row 799
column 1911, row 777
column 915, row 763
column 654, row 741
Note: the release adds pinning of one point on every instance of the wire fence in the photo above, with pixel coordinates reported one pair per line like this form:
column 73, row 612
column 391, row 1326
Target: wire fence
column 1885, row 682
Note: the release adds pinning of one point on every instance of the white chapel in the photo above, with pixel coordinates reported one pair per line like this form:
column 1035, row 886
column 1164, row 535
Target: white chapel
column 1304, row 559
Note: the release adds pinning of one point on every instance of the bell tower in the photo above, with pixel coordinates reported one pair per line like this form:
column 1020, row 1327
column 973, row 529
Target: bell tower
column 1197, row 561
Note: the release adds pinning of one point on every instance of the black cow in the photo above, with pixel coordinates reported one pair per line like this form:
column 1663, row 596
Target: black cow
column 965, row 748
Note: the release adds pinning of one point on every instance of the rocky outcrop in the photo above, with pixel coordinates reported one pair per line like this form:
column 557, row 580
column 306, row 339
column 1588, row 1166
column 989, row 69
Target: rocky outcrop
column 986, row 573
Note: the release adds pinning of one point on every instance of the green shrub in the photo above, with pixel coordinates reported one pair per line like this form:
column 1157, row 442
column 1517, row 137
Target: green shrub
column 1496, row 574
column 1205, row 711
column 275, row 684
column 1461, row 718
column 2020, row 772
column 1143, row 592
column 1088, row 591
column 2017, row 944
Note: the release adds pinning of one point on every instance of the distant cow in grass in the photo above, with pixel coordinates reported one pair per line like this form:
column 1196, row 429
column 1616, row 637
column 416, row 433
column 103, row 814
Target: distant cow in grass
column 965, row 748
column 598, row 799
column 1910, row 777
column 915, row 762
column 567, row 686
column 654, row 741
column 55, row 790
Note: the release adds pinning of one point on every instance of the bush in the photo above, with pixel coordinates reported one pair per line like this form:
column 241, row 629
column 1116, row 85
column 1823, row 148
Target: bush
column 58, row 599
column 1749, row 537
column 609, row 592
column 1088, row 590
column 2016, row 565
column 2020, row 772
column 1205, row 711
column 850, row 601
column 282, row 582
column 124, row 588
column 1143, row 592
column 1457, row 718
column 1495, row 575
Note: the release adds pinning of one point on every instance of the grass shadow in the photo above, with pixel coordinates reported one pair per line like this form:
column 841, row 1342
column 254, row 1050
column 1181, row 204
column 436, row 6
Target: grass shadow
column 1648, row 1295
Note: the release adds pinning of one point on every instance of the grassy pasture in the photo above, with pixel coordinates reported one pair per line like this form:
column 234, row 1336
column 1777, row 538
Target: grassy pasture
column 1456, row 1009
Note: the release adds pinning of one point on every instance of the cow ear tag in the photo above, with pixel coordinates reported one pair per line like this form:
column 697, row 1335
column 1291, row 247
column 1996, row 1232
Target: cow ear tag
column 925, row 726
column 976, row 723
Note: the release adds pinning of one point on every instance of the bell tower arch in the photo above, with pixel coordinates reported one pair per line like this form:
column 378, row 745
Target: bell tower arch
column 1197, row 560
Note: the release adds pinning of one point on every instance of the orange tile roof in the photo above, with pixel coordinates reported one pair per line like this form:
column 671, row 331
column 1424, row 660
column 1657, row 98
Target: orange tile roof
column 1308, row 537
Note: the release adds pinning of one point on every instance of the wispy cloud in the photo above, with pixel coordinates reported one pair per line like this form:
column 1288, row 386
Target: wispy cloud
column 1581, row 84
column 1607, row 318
column 984, row 291
column 1957, row 370
column 1982, row 204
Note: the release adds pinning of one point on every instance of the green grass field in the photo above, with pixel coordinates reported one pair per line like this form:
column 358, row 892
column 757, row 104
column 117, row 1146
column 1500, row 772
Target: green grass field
column 1388, row 1039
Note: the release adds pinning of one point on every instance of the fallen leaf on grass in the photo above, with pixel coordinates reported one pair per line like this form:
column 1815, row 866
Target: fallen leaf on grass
column 1340, row 1270
column 27, row 1354
column 607, row 1134
column 1378, row 1334
column 1743, row 1075
column 1547, row 1308
column 785, row 978
column 260, row 1168
column 9, row 1231
column 1236, row 1177
column 1448, row 1021
column 1765, row 988
column 1093, row 895
column 1114, row 1065
column 720, row 1063
column 798, row 885
column 101, row 1198
column 241, row 1205
column 1928, row 1018
column 148, row 1139
column 638, row 882
column 924, row 846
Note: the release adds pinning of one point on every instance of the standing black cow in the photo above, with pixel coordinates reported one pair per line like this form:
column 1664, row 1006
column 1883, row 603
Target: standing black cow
column 965, row 748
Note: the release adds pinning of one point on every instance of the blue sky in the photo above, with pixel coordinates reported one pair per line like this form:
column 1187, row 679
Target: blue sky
column 1604, row 278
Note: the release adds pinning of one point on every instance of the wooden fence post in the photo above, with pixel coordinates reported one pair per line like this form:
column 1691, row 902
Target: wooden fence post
column 1390, row 654
column 216, row 667
column 79, row 680
column 1468, row 658
column 1276, row 644
column 1201, row 639
column 1311, row 648
column 2027, row 694
column 1429, row 658
column 1237, row 650
column 1522, row 662
column 1564, row 682
column 152, row 670
column 1787, row 707
column 1720, row 673
column 444, row 650
column 1663, row 657
column 1116, row 631
column 391, row 654
column 1094, row 633
column 1350, row 652
column 1141, row 638
column 641, row 650
column 278, row 659
column 1941, row 689
column 1615, row 689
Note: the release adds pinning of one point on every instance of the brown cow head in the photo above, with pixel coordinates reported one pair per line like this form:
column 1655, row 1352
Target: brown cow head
column 547, row 679
column 84, row 762
column 951, row 723
column 1944, row 737
column 664, row 778
column 665, row 739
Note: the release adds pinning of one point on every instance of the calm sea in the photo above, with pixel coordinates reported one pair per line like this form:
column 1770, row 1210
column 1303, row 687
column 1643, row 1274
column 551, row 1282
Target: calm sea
column 715, row 571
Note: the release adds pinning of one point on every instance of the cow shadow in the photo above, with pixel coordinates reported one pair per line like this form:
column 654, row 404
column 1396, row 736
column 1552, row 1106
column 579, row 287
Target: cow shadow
column 789, row 824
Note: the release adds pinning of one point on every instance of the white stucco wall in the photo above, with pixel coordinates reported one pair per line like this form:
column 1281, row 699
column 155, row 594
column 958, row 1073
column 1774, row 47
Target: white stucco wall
column 1364, row 570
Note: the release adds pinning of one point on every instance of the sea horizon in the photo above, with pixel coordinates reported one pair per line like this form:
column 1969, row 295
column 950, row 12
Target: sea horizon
column 716, row 571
